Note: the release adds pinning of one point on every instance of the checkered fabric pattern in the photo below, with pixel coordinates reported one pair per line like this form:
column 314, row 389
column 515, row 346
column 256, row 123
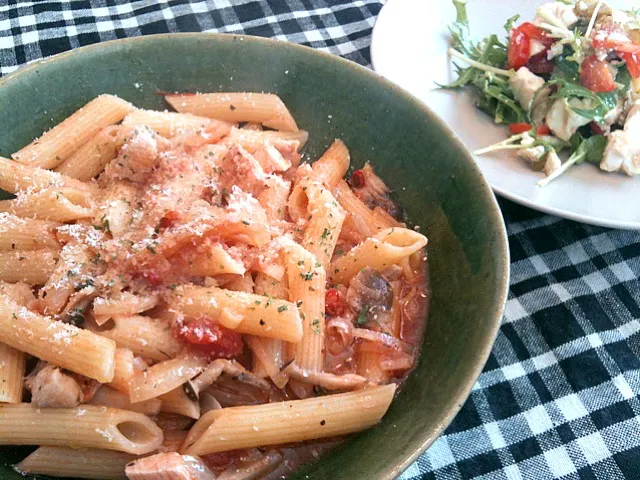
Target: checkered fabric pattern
column 558, row 397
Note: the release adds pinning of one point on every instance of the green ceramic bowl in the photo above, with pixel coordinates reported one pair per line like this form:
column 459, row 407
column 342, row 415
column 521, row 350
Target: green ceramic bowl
column 433, row 176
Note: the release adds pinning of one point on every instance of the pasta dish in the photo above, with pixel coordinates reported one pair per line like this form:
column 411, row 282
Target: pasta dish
column 182, row 298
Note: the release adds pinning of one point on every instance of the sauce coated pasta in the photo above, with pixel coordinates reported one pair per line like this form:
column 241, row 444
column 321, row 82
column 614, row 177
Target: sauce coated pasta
column 181, row 297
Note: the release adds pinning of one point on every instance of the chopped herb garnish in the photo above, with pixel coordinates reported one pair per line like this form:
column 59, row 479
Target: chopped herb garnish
column 307, row 276
column 362, row 317
column 282, row 308
column 151, row 249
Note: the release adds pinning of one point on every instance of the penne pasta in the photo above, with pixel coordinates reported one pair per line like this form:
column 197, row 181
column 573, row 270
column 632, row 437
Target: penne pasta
column 127, row 304
column 360, row 220
column 87, row 463
column 32, row 266
column 91, row 158
column 86, row 426
column 145, row 337
column 117, row 209
column 59, row 204
column 59, row 143
column 243, row 312
column 173, row 440
column 109, row 397
column 285, row 422
column 306, row 280
column 332, row 165
column 213, row 259
column 170, row 124
column 381, row 251
column 12, row 365
column 165, row 376
column 15, row 177
column 252, row 140
column 263, row 108
column 324, row 226
column 26, row 234
column 123, row 370
column 61, row 344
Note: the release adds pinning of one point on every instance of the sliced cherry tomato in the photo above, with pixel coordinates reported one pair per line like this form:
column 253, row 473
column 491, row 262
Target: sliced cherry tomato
column 519, row 49
column 357, row 179
column 611, row 36
column 633, row 63
column 334, row 305
column 206, row 336
column 536, row 33
column 596, row 76
column 525, row 127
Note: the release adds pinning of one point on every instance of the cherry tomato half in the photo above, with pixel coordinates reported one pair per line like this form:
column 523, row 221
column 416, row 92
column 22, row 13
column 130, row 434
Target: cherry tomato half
column 519, row 49
column 596, row 76
column 206, row 336
column 525, row 127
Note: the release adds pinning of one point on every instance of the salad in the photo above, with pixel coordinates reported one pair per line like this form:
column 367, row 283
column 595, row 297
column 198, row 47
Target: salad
column 568, row 80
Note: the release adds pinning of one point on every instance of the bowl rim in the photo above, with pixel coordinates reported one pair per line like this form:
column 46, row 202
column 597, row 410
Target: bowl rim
column 503, row 260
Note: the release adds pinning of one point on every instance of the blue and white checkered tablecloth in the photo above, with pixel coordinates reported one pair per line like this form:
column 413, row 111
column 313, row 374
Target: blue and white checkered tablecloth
column 559, row 396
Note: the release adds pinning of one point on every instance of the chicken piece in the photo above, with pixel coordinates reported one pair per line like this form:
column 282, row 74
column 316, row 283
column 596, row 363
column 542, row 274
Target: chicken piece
column 531, row 155
column 525, row 85
column 623, row 146
column 562, row 120
column 51, row 388
column 552, row 163
column 168, row 466
column 562, row 12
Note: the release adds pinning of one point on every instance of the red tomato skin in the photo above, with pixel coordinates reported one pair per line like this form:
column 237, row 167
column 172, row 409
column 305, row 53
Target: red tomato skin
column 611, row 36
column 334, row 304
column 525, row 127
column 535, row 32
column 596, row 76
column 357, row 179
column 519, row 49
column 205, row 336
column 633, row 63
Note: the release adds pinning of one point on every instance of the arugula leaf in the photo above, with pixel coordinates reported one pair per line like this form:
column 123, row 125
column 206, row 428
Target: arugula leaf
column 461, row 12
column 594, row 147
column 508, row 26
column 590, row 149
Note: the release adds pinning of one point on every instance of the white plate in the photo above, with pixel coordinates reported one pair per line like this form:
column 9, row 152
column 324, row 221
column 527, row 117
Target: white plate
column 409, row 45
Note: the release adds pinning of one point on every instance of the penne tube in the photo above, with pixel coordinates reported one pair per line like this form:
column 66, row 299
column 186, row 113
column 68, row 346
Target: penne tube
column 213, row 259
column 86, row 426
column 59, row 143
column 64, row 345
column 127, row 304
column 27, row 234
column 244, row 312
column 286, row 422
column 252, row 140
column 360, row 219
column 306, row 280
column 89, row 463
column 386, row 248
column 324, row 227
column 165, row 376
column 109, row 397
column 59, row 204
column 263, row 108
column 332, row 166
column 145, row 337
column 91, row 158
column 15, row 177
column 170, row 124
column 177, row 401
column 123, row 370
column 33, row 266
column 12, row 365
